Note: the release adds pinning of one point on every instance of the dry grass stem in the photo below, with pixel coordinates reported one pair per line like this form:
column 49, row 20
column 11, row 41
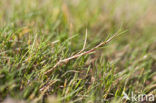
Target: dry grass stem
column 81, row 53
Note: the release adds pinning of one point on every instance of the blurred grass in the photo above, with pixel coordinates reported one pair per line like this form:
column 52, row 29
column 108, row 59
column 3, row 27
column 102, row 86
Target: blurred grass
column 36, row 34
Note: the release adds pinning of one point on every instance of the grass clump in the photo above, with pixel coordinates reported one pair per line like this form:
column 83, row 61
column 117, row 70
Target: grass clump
column 60, row 51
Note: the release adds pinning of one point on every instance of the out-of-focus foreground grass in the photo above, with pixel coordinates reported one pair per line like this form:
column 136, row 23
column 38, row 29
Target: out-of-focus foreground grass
column 36, row 34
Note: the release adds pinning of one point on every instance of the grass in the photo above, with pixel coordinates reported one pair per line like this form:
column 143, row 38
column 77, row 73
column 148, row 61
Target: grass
column 65, row 51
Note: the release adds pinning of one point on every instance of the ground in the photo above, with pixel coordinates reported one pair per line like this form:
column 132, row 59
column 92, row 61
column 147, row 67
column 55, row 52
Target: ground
column 77, row 51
